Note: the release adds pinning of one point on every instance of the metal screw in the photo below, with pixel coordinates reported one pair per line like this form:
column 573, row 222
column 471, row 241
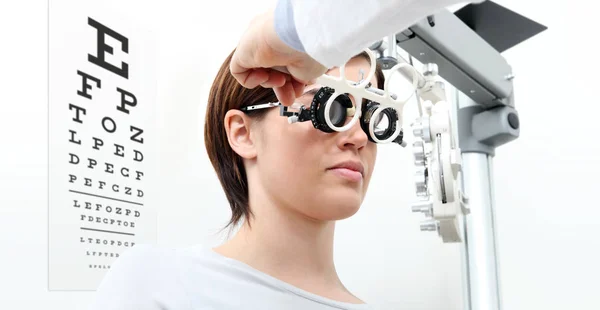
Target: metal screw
column 472, row 91
column 421, row 53
column 423, row 207
column 430, row 225
column 430, row 69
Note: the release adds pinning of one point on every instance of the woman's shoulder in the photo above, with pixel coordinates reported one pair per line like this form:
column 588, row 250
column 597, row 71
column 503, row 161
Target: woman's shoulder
column 141, row 259
column 143, row 254
column 154, row 261
column 143, row 277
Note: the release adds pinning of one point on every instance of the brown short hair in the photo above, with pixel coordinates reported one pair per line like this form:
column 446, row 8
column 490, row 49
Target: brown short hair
column 226, row 94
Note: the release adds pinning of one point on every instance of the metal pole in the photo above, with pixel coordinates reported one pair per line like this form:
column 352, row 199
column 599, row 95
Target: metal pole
column 480, row 260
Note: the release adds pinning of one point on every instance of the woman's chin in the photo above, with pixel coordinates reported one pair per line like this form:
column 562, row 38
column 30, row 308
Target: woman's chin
column 338, row 209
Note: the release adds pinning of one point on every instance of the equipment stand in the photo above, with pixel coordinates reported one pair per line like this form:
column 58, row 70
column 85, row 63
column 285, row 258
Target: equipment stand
column 481, row 285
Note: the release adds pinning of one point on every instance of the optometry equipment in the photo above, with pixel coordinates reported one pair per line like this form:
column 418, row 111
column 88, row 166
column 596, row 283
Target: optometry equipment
column 466, row 48
column 453, row 161
column 380, row 111
column 380, row 127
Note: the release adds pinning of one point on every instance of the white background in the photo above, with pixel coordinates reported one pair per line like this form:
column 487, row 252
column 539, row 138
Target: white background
column 546, row 181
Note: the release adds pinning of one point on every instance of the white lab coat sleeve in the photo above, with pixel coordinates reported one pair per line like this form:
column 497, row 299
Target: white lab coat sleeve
column 333, row 31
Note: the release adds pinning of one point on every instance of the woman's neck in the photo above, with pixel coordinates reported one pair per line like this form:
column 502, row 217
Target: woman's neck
column 289, row 246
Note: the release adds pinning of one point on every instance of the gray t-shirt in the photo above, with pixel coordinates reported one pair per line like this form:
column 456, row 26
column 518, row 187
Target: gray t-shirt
column 151, row 277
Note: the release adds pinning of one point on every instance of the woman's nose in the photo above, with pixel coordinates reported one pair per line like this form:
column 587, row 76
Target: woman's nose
column 354, row 137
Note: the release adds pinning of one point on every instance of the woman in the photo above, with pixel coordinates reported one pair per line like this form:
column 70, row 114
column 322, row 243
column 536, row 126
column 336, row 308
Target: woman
column 287, row 185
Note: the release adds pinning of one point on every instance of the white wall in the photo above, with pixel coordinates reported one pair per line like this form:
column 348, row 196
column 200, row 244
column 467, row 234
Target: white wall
column 545, row 181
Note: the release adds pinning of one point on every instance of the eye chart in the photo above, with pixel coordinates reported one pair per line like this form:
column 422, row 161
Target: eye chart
column 102, row 146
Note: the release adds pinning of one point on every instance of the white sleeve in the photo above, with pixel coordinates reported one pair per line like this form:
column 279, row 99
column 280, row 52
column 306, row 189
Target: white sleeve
column 142, row 278
column 333, row 31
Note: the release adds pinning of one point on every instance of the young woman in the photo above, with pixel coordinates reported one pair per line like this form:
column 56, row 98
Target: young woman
column 287, row 184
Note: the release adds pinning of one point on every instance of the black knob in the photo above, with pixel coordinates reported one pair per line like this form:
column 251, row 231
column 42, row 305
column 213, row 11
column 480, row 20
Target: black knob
column 513, row 120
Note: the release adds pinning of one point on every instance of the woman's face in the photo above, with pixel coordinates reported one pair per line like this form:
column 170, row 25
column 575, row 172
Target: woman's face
column 302, row 167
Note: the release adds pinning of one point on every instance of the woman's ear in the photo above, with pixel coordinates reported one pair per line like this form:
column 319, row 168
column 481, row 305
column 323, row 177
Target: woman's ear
column 238, row 129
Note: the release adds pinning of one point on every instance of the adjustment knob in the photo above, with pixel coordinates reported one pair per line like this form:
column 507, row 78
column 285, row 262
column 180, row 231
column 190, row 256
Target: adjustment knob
column 379, row 47
column 421, row 182
column 418, row 129
column 387, row 62
column 423, row 207
column 421, row 129
column 430, row 225
column 419, row 152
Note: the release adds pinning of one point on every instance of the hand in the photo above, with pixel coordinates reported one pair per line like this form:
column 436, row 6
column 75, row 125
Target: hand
column 259, row 54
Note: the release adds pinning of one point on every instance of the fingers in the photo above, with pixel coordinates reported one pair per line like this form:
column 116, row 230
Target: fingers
column 289, row 91
column 298, row 88
column 286, row 88
column 265, row 78
column 285, row 94
column 275, row 79
column 255, row 77
column 239, row 71
column 251, row 78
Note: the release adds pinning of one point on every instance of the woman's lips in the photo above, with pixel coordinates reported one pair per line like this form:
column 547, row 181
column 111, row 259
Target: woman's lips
column 351, row 175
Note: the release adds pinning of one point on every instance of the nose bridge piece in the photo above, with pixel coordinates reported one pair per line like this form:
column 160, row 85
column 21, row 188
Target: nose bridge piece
column 350, row 111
